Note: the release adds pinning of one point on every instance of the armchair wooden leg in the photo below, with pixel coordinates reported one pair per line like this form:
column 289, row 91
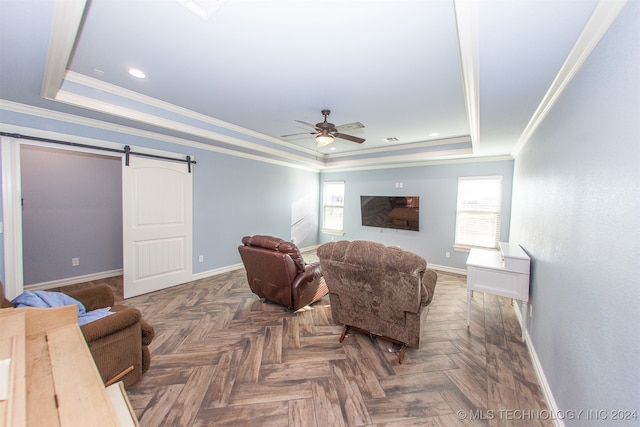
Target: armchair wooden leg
column 345, row 331
column 401, row 355
column 118, row 377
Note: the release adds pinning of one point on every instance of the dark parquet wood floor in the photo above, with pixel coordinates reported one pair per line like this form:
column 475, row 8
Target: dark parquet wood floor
column 223, row 357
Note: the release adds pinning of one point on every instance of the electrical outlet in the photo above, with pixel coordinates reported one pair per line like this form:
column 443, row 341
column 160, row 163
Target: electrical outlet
column 201, row 258
column 75, row 262
column 447, row 254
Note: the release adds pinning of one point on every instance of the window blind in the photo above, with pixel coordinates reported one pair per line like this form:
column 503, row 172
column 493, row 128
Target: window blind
column 333, row 207
column 479, row 210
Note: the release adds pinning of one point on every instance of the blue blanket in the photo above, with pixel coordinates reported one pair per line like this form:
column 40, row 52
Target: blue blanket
column 45, row 299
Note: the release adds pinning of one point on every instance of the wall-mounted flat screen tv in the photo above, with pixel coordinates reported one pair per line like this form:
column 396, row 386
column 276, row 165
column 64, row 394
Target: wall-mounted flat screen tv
column 402, row 212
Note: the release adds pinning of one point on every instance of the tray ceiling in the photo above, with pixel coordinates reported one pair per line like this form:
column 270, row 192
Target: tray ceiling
column 429, row 80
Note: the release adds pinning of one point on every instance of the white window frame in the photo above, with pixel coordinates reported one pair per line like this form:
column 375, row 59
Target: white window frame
column 478, row 212
column 331, row 205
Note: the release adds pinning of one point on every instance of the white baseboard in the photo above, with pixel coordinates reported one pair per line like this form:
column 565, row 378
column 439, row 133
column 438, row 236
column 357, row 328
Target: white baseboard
column 552, row 407
column 216, row 271
column 197, row 276
column 233, row 267
column 72, row 280
column 444, row 268
column 309, row 248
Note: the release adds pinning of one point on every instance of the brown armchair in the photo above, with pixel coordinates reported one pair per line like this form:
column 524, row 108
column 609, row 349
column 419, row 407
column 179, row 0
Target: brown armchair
column 118, row 342
column 382, row 291
column 277, row 272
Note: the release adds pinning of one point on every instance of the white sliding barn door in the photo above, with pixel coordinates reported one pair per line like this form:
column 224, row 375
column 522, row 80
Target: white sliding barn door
column 157, row 230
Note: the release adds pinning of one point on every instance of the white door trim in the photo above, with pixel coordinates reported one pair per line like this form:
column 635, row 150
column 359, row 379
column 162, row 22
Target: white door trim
column 12, row 217
column 11, row 229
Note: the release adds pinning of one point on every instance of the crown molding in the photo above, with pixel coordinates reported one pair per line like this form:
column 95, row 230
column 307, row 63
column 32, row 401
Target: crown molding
column 323, row 160
column 601, row 19
column 116, row 110
column 400, row 158
column 139, row 98
column 67, row 18
column 92, row 123
column 403, row 147
column 389, row 162
column 467, row 25
column 433, row 162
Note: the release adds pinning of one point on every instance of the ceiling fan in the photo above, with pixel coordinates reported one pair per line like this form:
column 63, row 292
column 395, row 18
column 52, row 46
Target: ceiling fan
column 326, row 132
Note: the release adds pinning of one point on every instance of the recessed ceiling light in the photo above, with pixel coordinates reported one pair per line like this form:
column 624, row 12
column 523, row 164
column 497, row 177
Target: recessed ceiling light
column 139, row 74
column 332, row 148
column 434, row 134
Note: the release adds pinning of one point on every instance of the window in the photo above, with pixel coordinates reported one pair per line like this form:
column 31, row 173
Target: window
column 478, row 212
column 333, row 207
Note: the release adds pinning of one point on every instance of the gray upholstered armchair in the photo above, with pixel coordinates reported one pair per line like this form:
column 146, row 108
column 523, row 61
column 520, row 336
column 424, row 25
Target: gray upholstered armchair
column 379, row 290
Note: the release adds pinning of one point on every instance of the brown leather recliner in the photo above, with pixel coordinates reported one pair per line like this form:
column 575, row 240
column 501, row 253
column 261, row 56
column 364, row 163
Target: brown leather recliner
column 379, row 290
column 117, row 342
column 277, row 272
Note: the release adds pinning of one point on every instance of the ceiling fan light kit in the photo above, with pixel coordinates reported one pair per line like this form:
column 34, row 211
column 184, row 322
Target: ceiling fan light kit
column 324, row 139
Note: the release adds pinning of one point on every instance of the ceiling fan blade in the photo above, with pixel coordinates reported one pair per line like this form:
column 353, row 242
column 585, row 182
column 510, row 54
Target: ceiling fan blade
column 349, row 126
column 297, row 134
column 349, row 137
column 307, row 124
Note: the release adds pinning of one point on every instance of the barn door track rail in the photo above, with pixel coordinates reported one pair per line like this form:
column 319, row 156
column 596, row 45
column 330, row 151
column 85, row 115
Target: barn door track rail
column 126, row 150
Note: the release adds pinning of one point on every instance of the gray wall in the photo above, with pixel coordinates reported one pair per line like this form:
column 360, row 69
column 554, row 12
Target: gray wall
column 437, row 187
column 232, row 197
column 72, row 208
column 576, row 210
